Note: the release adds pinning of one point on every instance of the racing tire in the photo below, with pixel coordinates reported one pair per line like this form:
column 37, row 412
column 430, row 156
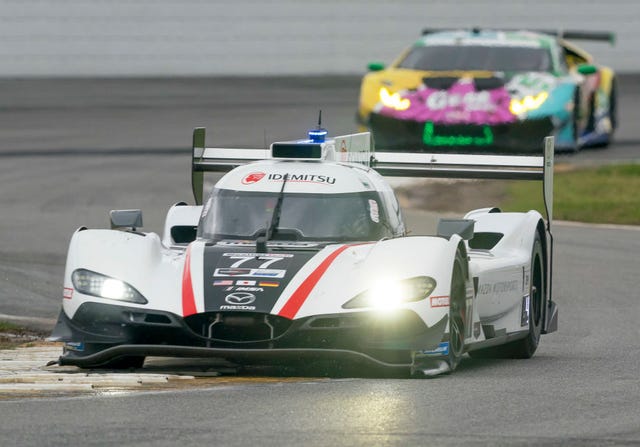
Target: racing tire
column 457, row 309
column 612, row 112
column 613, row 105
column 575, row 123
column 526, row 347
column 447, row 363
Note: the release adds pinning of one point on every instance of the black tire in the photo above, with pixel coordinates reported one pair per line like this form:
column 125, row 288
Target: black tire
column 575, row 122
column 613, row 104
column 591, row 122
column 613, row 110
column 526, row 347
column 457, row 317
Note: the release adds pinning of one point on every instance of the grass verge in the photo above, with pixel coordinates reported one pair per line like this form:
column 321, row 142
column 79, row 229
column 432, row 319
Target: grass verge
column 13, row 336
column 605, row 194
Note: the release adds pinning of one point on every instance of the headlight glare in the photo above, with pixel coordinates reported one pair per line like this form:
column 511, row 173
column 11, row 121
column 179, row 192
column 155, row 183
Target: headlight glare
column 385, row 295
column 529, row 102
column 96, row 284
column 393, row 100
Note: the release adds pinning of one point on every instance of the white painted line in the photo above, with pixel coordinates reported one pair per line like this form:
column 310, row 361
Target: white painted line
column 569, row 223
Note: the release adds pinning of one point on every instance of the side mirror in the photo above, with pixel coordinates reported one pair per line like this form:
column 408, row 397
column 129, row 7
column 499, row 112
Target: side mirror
column 125, row 219
column 375, row 66
column 587, row 69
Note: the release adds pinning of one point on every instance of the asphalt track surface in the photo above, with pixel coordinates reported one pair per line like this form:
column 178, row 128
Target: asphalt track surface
column 72, row 150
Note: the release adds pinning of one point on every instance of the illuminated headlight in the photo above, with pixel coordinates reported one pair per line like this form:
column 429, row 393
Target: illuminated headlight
column 529, row 102
column 390, row 294
column 393, row 100
column 95, row 284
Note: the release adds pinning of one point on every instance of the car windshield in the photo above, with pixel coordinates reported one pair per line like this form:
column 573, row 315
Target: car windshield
column 230, row 214
column 477, row 57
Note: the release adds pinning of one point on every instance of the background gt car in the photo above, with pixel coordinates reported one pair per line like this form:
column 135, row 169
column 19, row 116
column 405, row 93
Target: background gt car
column 490, row 89
column 299, row 253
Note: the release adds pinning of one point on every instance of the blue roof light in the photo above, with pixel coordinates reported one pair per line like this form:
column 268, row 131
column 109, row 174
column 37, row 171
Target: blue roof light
column 318, row 135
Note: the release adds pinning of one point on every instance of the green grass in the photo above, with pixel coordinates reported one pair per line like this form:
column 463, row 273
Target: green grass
column 606, row 194
column 9, row 327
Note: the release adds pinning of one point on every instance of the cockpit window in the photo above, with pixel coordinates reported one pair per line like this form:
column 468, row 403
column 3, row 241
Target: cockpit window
column 477, row 57
column 230, row 214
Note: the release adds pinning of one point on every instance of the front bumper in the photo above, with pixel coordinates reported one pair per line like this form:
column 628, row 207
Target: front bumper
column 100, row 333
column 407, row 135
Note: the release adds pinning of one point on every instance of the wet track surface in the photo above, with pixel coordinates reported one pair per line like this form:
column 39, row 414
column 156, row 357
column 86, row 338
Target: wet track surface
column 72, row 150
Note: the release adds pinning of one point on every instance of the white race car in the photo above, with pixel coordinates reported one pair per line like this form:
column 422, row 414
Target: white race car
column 300, row 254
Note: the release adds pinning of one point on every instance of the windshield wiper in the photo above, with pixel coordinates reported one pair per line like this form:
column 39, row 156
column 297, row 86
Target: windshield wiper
column 261, row 241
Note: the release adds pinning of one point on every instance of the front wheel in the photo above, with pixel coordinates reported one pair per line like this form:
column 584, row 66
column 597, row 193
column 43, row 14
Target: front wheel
column 449, row 359
column 575, row 123
column 457, row 310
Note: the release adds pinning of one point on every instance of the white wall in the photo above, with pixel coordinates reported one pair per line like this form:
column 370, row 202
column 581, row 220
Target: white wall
column 253, row 37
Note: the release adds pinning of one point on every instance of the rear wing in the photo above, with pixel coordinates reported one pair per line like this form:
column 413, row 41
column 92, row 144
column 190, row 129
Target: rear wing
column 357, row 148
column 603, row 36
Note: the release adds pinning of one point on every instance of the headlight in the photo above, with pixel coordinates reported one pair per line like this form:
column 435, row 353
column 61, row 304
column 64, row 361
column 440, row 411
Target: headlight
column 529, row 102
column 390, row 294
column 95, row 284
column 393, row 101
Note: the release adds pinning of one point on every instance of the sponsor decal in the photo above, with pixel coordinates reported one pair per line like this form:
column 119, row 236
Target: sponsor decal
column 223, row 282
column 462, row 103
column 74, row 346
column 264, row 275
column 258, row 256
column 245, row 282
column 67, row 293
column 249, row 289
column 430, row 138
column 240, row 298
column 498, row 287
column 439, row 301
column 442, row 349
column 303, row 178
column 251, row 273
column 253, row 260
column 374, row 214
column 231, row 272
column 252, row 178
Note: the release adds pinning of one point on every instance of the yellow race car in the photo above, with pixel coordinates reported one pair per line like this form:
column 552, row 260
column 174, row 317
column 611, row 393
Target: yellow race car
column 490, row 89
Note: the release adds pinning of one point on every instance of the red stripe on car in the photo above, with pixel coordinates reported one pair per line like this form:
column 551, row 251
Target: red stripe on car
column 188, row 299
column 291, row 307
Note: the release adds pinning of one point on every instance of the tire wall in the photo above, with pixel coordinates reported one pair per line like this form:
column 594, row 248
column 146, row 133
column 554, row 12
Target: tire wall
column 288, row 37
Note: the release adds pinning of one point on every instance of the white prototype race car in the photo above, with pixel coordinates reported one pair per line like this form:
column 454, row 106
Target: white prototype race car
column 299, row 254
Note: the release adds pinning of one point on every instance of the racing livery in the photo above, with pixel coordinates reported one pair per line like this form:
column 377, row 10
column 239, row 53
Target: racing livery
column 300, row 253
column 489, row 90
